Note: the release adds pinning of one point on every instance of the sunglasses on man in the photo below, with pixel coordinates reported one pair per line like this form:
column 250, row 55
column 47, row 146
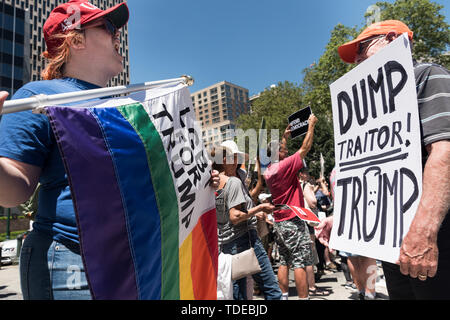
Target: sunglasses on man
column 364, row 44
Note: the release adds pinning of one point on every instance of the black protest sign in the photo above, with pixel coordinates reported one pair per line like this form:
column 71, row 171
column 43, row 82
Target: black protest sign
column 299, row 122
column 377, row 154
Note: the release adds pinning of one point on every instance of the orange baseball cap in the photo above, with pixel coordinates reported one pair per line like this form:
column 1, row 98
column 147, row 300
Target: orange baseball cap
column 348, row 51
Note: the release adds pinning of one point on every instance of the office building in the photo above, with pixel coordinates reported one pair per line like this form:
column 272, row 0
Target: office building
column 217, row 107
column 38, row 11
column 14, row 48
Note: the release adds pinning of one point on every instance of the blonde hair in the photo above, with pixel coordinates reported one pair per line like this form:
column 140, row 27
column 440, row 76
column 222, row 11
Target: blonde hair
column 54, row 68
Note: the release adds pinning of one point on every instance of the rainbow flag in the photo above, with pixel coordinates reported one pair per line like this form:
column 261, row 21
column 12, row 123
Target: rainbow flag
column 139, row 177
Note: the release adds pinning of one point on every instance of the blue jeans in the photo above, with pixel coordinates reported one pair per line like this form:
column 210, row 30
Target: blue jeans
column 266, row 279
column 51, row 270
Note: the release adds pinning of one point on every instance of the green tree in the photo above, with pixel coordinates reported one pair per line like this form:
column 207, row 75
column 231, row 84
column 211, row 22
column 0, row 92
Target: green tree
column 431, row 32
column 316, row 82
column 275, row 105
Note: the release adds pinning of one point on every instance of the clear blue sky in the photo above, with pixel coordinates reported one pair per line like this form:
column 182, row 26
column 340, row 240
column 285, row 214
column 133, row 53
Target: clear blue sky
column 252, row 43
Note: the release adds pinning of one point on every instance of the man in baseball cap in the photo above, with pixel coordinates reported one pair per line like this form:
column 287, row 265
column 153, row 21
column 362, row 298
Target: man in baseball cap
column 383, row 31
column 422, row 269
column 75, row 14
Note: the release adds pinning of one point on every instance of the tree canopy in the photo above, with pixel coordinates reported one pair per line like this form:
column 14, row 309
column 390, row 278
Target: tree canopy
column 431, row 32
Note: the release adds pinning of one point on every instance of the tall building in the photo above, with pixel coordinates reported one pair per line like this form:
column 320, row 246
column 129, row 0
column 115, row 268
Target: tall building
column 38, row 12
column 14, row 48
column 217, row 107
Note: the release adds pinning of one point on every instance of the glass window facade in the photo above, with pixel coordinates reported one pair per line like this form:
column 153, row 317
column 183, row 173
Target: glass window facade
column 12, row 44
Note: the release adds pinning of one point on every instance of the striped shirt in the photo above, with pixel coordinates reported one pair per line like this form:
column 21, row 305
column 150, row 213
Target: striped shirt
column 433, row 97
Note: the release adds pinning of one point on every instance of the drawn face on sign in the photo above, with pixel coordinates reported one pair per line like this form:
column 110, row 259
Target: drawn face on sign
column 372, row 189
column 372, row 200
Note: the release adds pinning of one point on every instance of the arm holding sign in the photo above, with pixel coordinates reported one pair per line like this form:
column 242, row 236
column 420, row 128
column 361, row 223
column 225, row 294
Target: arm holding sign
column 419, row 251
column 424, row 243
column 308, row 141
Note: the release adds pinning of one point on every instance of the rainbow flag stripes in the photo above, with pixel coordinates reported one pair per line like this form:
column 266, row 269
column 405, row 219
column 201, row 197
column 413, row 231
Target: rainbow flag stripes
column 139, row 177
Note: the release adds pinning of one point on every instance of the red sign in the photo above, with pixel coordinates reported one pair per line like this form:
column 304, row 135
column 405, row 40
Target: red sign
column 305, row 214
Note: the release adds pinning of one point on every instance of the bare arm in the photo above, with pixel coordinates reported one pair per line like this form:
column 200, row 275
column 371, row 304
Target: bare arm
column 310, row 197
column 308, row 141
column 237, row 216
column 286, row 134
column 324, row 186
column 316, row 187
column 259, row 184
column 18, row 181
column 419, row 252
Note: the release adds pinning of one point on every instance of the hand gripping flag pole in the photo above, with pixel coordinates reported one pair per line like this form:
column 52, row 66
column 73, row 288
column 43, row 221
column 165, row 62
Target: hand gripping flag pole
column 43, row 100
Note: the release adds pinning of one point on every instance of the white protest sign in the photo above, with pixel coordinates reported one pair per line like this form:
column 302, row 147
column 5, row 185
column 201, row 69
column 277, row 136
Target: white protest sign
column 377, row 153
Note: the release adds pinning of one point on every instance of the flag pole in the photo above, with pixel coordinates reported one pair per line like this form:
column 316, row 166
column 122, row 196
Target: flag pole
column 43, row 100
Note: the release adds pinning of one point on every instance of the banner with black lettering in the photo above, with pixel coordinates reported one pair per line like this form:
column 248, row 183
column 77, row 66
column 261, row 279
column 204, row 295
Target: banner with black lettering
column 378, row 154
column 140, row 182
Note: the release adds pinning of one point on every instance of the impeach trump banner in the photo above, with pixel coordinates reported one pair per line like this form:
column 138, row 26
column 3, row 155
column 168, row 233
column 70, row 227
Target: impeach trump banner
column 378, row 154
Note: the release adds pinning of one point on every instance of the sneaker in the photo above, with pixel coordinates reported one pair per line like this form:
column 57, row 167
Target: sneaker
column 349, row 285
column 331, row 267
column 369, row 296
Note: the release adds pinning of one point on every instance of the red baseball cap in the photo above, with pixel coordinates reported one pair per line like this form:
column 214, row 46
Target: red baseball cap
column 348, row 51
column 75, row 14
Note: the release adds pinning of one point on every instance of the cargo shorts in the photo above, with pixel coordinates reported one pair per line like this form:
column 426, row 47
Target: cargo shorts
column 294, row 243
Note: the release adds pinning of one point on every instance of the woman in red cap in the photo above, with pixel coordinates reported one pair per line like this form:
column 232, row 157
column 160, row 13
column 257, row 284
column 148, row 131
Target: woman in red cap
column 82, row 53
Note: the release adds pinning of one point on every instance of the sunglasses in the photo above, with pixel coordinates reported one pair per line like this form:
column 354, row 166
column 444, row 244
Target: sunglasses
column 106, row 25
column 364, row 44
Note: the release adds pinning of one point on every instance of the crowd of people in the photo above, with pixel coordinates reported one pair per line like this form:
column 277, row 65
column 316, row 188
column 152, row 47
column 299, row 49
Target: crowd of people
column 247, row 218
column 421, row 271
column 85, row 56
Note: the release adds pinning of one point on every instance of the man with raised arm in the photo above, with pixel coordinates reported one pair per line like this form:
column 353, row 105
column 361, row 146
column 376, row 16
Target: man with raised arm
column 293, row 237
